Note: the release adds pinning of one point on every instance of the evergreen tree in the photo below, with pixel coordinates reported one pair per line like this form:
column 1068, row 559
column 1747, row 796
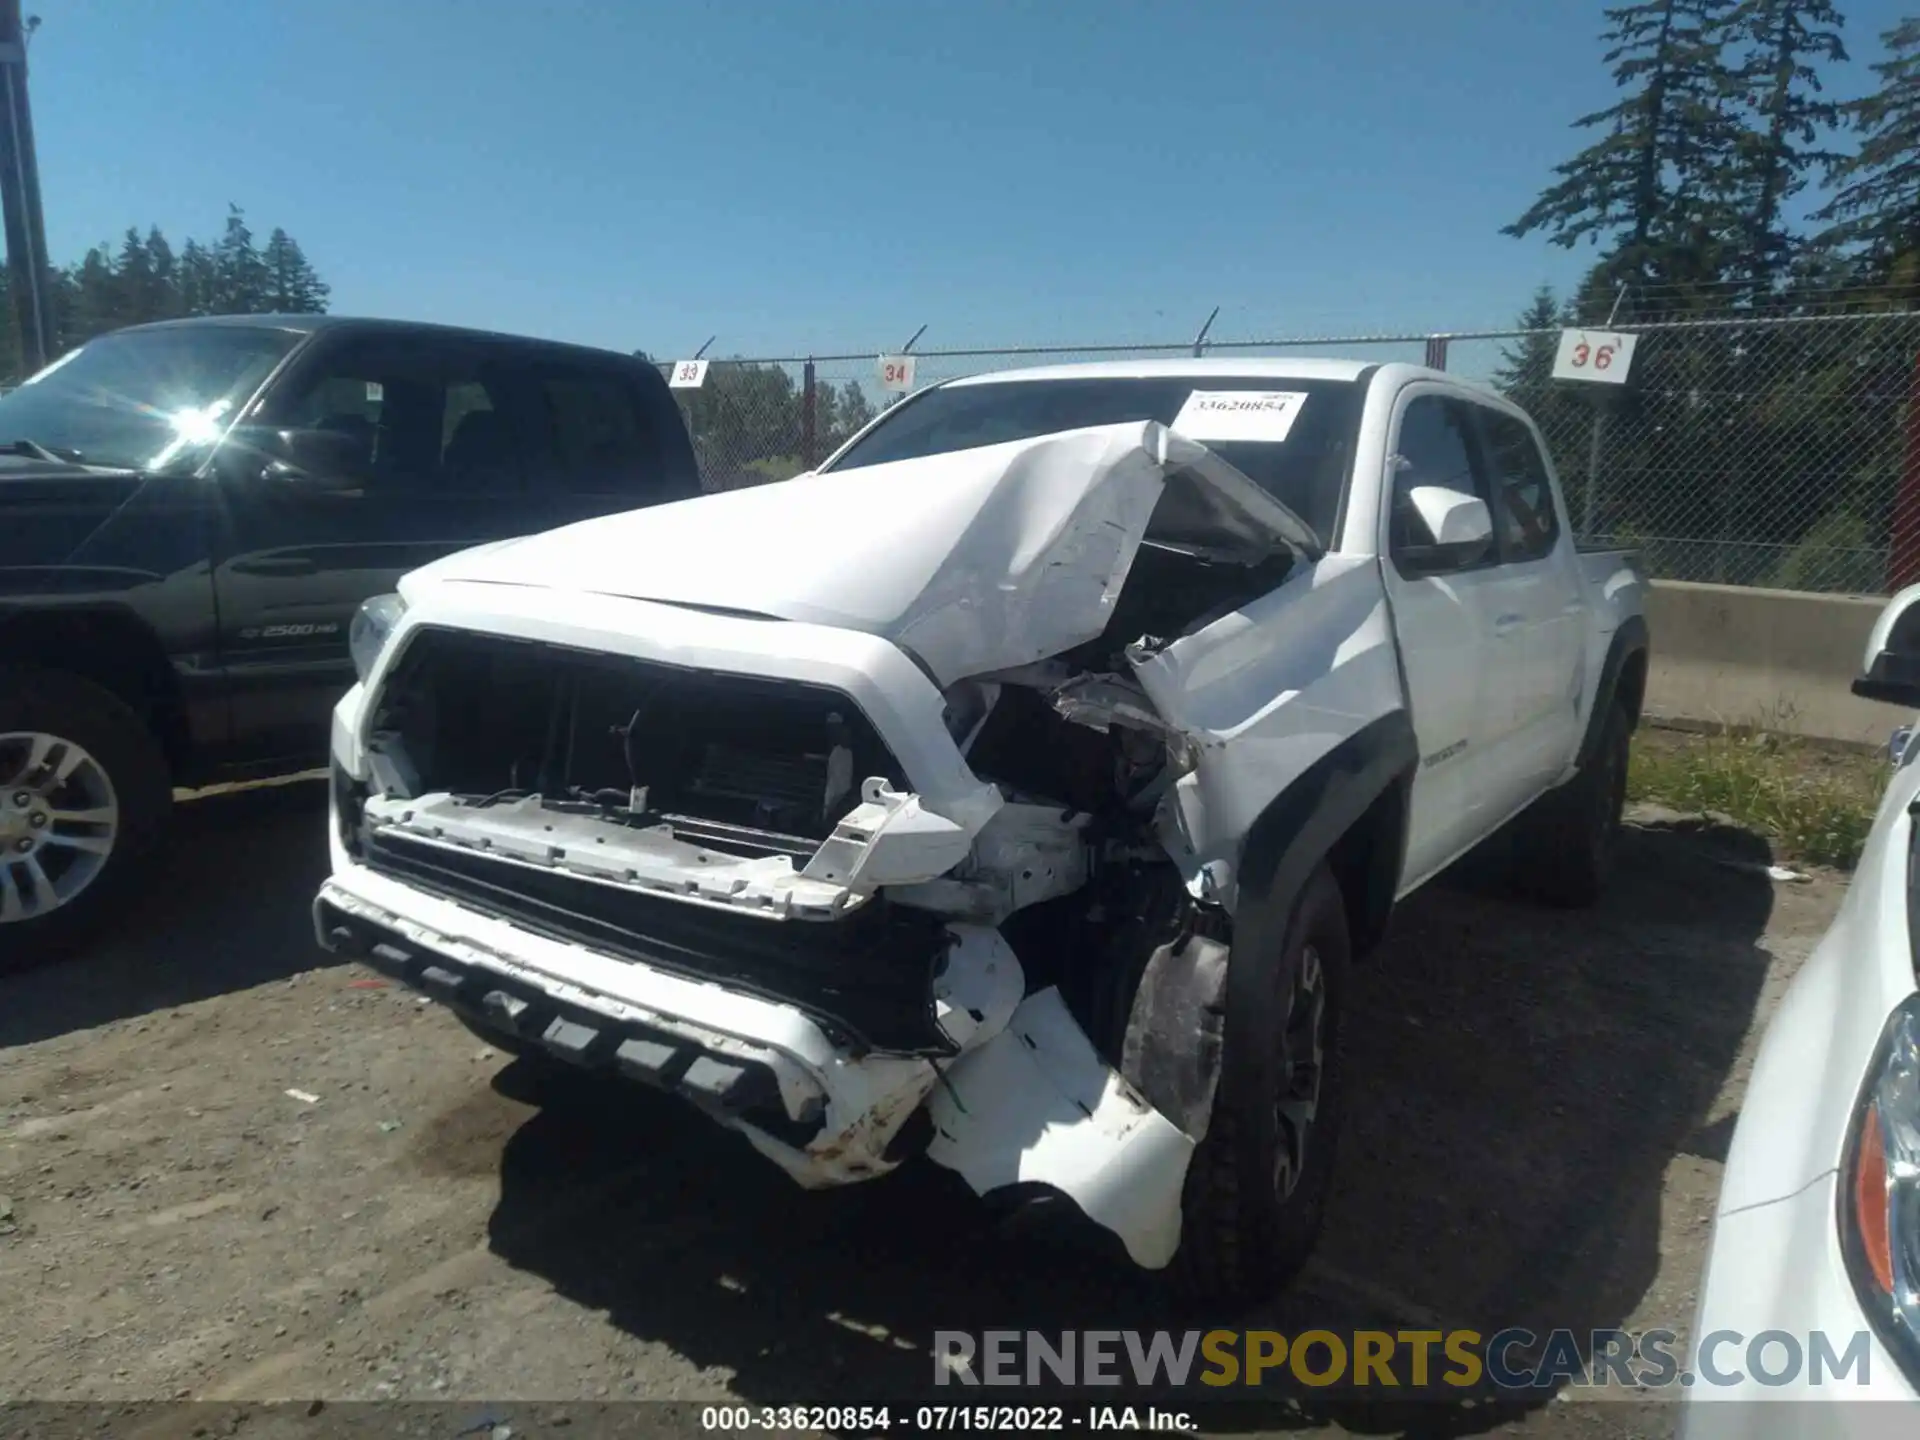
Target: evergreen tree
column 94, row 302
column 143, row 280
column 199, row 283
column 241, row 283
column 1656, row 188
column 141, row 296
column 293, row 286
column 1525, row 372
column 166, row 275
column 1875, row 212
column 1787, row 39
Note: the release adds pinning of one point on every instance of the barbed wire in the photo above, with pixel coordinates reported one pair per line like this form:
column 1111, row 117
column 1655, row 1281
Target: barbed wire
column 1751, row 449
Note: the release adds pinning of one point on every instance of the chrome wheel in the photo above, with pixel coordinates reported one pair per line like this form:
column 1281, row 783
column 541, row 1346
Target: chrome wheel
column 59, row 817
column 1303, row 1062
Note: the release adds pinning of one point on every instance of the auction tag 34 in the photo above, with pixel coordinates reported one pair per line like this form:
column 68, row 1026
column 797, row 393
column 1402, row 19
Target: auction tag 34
column 896, row 372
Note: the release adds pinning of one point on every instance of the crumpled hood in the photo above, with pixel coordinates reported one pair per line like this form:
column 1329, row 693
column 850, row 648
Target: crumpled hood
column 973, row 561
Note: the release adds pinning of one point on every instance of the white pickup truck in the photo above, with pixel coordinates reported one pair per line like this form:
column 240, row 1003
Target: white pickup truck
column 1016, row 790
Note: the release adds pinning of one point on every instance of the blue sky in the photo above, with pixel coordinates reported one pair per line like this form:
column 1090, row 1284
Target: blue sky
column 832, row 174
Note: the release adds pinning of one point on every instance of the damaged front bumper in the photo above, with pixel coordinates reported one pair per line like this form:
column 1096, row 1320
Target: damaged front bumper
column 800, row 1004
column 1025, row 1100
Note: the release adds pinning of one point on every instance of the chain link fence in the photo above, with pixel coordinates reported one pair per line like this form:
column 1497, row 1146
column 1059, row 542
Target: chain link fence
column 1780, row 451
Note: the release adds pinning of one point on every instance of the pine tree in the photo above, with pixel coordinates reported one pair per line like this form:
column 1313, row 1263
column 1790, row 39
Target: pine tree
column 293, row 286
column 166, row 275
column 142, row 297
column 241, row 281
column 1655, row 189
column 94, row 306
column 1787, row 39
column 199, row 281
column 1525, row 371
column 1875, row 212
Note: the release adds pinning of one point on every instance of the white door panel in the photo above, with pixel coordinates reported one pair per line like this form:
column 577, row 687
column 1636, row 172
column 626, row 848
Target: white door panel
column 1443, row 627
column 1458, row 672
column 1547, row 596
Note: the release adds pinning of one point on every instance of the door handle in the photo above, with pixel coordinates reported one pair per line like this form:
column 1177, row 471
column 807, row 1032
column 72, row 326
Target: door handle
column 1507, row 624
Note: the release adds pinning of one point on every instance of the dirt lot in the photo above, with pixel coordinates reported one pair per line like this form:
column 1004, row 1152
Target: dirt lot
column 1541, row 1108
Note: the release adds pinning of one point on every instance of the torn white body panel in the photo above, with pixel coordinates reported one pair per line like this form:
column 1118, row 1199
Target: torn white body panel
column 1024, row 855
column 973, row 561
column 1037, row 1105
column 1262, row 694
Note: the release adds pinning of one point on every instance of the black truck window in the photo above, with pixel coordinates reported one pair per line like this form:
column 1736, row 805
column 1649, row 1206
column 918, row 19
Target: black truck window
column 483, row 416
column 426, row 413
column 594, row 432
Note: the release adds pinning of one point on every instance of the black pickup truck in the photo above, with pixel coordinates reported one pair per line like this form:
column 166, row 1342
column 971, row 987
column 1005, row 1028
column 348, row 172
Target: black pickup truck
column 190, row 515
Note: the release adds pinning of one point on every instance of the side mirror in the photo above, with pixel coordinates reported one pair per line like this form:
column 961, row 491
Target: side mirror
column 324, row 461
column 1890, row 670
column 1458, row 530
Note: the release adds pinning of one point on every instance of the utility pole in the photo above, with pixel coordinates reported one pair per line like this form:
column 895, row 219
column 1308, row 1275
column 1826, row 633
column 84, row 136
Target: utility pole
column 26, row 227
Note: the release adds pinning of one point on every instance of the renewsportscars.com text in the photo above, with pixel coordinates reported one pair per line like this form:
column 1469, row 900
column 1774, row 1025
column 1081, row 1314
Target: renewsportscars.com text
column 1514, row 1359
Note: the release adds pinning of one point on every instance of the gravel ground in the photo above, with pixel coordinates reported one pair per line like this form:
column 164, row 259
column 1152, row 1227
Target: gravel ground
column 1541, row 1105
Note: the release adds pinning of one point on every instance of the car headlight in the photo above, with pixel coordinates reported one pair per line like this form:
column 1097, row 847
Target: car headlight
column 372, row 627
column 1880, row 1189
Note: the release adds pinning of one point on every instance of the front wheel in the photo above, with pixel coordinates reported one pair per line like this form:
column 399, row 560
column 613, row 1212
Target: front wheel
column 84, row 792
column 1256, row 1190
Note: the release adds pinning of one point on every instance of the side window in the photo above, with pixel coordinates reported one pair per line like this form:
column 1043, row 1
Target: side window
column 1523, row 502
column 426, row 415
column 1435, row 447
column 350, row 405
column 597, row 437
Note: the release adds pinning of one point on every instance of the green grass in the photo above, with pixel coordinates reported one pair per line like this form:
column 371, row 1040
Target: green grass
column 1812, row 802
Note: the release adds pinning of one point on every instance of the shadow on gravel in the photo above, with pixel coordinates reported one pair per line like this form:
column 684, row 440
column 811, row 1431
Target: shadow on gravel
column 229, row 906
column 1520, row 1078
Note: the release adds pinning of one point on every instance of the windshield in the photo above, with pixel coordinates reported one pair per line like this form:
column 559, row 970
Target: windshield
column 1296, row 442
column 143, row 399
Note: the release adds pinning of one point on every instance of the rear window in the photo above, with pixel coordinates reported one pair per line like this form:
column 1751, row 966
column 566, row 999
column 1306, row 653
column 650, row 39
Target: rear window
column 1302, row 458
column 599, row 430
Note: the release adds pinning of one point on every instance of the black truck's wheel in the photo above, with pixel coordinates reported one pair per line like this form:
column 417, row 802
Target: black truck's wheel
column 1256, row 1191
column 84, row 793
column 1565, row 845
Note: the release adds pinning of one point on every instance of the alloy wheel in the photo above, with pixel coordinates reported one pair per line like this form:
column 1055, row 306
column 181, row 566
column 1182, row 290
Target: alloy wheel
column 59, row 817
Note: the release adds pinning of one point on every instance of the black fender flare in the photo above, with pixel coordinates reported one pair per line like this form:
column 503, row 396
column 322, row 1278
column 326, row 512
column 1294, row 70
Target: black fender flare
column 1180, row 1029
column 1628, row 641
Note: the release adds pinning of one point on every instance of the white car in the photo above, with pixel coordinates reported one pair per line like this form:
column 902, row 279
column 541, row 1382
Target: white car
column 1816, row 1238
column 1015, row 790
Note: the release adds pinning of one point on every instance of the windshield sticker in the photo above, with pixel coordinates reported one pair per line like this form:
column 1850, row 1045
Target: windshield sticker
column 1239, row 414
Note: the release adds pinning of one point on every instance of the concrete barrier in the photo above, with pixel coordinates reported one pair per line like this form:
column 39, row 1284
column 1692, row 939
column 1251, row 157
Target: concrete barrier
column 1777, row 659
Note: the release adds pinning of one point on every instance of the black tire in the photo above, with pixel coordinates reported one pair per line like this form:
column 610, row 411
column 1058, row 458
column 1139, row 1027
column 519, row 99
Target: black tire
column 1253, row 1205
column 82, row 714
column 1566, row 844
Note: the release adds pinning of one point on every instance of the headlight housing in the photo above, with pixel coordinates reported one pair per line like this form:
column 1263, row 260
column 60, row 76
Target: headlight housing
column 372, row 627
column 1880, row 1189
